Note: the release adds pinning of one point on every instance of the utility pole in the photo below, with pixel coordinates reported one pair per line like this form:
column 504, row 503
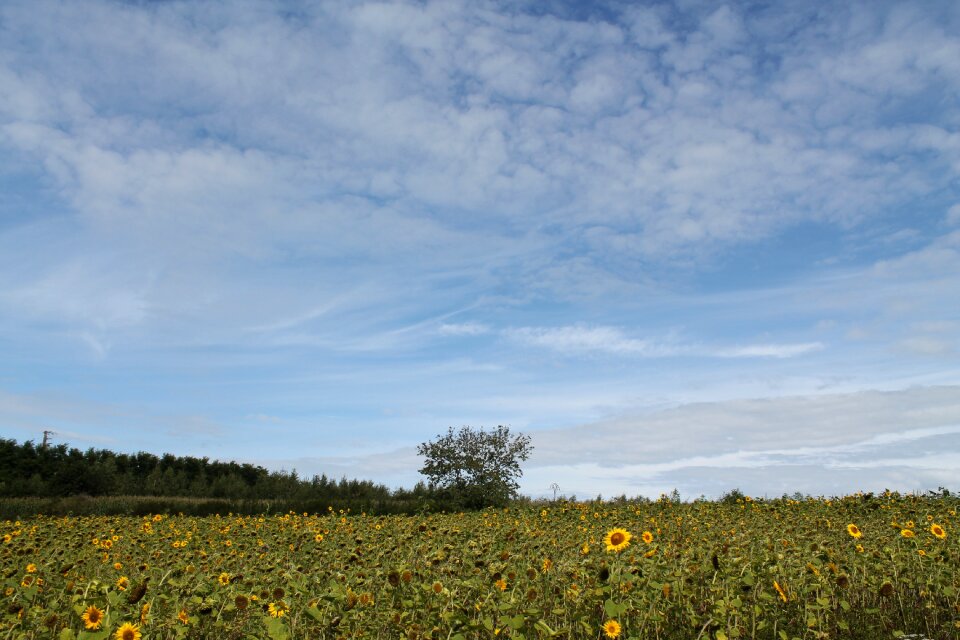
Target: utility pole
column 46, row 438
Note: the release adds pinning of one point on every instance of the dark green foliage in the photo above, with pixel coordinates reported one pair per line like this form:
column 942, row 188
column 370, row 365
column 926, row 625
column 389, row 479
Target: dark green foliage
column 473, row 468
column 58, row 479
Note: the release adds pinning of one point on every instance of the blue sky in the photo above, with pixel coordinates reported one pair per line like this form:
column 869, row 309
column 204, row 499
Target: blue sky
column 687, row 245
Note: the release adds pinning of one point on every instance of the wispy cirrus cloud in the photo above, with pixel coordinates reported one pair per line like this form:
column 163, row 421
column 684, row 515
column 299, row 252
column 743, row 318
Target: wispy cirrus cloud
column 580, row 339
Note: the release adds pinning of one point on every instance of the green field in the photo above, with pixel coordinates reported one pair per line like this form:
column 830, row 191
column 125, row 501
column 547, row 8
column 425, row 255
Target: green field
column 855, row 567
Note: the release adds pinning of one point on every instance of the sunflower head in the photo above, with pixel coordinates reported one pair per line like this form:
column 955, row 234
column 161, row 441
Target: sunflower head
column 906, row 533
column 938, row 531
column 611, row 629
column 92, row 617
column 647, row 537
column 617, row 539
column 127, row 631
column 854, row 530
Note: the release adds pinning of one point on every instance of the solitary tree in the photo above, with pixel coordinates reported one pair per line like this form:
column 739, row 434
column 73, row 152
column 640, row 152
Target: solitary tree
column 476, row 468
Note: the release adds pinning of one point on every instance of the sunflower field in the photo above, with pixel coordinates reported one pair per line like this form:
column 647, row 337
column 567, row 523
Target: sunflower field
column 855, row 567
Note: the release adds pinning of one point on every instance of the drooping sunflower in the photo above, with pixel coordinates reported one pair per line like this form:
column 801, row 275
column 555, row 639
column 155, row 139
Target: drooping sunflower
column 938, row 531
column 647, row 537
column 617, row 539
column 127, row 631
column 92, row 618
column 611, row 629
column 854, row 530
column 780, row 591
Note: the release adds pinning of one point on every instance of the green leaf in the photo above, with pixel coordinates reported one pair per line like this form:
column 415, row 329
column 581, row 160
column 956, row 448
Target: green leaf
column 542, row 627
column 515, row 622
column 276, row 629
column 721, row 635
column 67, row 634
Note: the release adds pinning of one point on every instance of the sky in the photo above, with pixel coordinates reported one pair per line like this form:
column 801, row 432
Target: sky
column 682, row 245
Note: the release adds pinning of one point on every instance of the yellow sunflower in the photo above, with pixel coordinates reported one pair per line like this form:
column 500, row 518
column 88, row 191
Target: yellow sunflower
column 938, row 531
column 92, row 617
column 906, row 533
column 122, row 583
column 611, row 629
column 183, row 616
column 854, row 530
column 127, row 631
column 780, row 591
column 224, row 579
column 278, row 609
column 647, row 537
column 617, row 540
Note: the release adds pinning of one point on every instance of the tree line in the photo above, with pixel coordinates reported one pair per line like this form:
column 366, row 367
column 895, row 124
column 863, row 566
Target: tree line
column 466, row 469
column 59, row 471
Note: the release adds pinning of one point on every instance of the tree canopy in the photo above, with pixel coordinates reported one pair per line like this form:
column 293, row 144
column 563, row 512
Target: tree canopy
column 474, row 468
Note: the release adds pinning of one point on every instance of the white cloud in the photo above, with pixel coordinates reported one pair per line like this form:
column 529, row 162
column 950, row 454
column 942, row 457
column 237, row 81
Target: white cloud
column 770, row 350
column 579, row 339
column 464, row 329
